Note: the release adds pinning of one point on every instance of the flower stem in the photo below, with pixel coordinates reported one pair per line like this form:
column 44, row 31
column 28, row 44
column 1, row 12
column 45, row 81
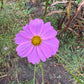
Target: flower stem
column 34, row 74
column 45, row 9
column 1, row 4
column 42, row 73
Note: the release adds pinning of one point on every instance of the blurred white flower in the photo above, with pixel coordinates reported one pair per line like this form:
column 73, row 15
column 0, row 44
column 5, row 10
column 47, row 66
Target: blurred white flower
column 5, row 48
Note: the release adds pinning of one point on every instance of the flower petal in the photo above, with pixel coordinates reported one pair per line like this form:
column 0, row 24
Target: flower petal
column 26, row 28
column 45, row 27
column 49, row 34
column 33, row 56
column 26, row 34
column 20, row 39
column 52, row 44
column 35, row 26
column 48, row 31
column 24, row 49
column 44, row 52
column 40, row 54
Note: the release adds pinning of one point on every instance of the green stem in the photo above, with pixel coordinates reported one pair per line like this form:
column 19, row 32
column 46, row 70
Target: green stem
column 45, row 9
column 1, row 4
column 34, row 74
column 42, row 73
column 69, row 71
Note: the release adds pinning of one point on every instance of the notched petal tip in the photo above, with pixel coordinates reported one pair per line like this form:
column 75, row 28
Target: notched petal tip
column 17, row 35
column 33, row 62
column 57, row 41
column 25, row 27
column 48, row 23
column 36, row 21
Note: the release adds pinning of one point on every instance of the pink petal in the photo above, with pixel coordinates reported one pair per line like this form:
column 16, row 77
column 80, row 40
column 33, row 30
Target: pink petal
column 40, row 54
column 52, row 44
column 26, row 28
column 44, row 52
column 36, row 25
column 49, row 34
column 26, row 34
column 45, row 27
column 47, row 31
column 24, row 49
column 33, row 56
column 20, row 39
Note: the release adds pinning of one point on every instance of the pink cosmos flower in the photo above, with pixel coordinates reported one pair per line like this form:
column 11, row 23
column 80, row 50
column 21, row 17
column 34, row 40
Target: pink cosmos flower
column 37, row 41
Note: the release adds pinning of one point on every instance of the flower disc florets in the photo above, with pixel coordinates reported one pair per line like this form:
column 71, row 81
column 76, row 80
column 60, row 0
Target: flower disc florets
column 36, row 40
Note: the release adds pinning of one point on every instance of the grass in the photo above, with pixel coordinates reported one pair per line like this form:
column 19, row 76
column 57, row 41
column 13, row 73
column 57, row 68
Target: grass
column 12, row 19
column 73, row 60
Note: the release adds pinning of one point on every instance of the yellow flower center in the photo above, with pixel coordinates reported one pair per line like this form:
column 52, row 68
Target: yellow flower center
column 36, row 40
